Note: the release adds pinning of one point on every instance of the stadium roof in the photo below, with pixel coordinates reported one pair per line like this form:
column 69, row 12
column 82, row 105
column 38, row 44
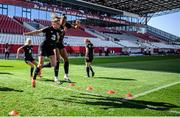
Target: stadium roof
column 140, row 7
column 125, row 7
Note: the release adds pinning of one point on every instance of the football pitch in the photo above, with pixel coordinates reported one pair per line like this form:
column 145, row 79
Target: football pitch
column 153, row 81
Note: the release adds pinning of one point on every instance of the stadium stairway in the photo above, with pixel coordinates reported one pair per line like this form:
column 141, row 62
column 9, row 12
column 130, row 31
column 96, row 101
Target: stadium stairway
column 129, row 44
column 28, row 23
column 93, row 32
column 161, row 34
column 123, row 36
column 43, row 22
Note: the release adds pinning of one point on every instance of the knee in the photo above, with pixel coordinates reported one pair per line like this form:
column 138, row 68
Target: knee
column 66, row 59
column 58, row 62
column 53, row 64
column 35, row 65
column 40, row 66
column 66, row 62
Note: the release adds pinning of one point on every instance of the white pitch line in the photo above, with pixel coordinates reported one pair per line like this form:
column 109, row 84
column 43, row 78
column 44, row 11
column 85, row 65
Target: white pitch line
column 155, row 89
column 125, row 100
column 172, row 111
column 66, row 88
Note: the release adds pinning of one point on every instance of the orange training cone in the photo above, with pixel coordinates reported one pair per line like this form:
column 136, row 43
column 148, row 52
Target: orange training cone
column 110, row 92
column 72, row 84
column 129, row 95
column 89, row 88
column 13, row 113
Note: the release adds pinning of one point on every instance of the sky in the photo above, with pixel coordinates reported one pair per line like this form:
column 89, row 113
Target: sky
column 169, row 23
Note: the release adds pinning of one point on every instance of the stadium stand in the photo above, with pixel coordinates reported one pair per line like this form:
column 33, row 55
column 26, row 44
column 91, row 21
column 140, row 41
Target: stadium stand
column 73, row 43
column 19, row 39
column 22, row 19
column 123, row 37
column 144, row 36
column 102, row 37
column 161, row 34
column 78, row 32
column 163, row 45
column 8, row 25
column 129, row 44
column 43, row 22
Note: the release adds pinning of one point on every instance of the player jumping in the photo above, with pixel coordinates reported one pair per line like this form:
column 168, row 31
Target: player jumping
column 48, row 46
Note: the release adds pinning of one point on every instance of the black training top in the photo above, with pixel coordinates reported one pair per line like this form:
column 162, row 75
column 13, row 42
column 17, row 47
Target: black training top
column 90, row 49
column 51, row 35
column 28, row 51
column 68, row 26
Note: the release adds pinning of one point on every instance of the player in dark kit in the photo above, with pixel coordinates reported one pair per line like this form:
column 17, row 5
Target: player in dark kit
column 48, row 46
column 61, row 51
column 89, row 57
column 64, row 25
column 7, row 51
column 27, row 49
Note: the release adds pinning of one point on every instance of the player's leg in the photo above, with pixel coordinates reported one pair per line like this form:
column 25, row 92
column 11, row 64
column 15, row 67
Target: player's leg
column 90, row 67
column 47, row 65
column 87, row 68
column 35, row 64
column 53, row 61
column 5, row 55
column 8, row 55
column 56, row 69
column 32, row 67
column 64, row 55
column 38, row 68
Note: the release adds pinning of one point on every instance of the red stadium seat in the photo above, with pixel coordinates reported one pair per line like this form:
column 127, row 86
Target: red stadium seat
column 8, row 25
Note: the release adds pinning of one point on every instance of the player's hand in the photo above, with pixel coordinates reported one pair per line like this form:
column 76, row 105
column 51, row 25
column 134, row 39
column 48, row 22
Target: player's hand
column 87, row 57
column 77, row 23
column 24, row 33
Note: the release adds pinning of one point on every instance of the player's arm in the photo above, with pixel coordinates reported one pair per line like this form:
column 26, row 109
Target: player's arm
column 86, row 54
column 33, row 32
column 76, row 25
column 18, row 51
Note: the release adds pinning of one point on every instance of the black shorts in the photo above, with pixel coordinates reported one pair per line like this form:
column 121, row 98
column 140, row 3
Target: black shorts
column 30, row 59
column 60, row 45
column 90, row 59
column 47, row 49
column 6, row 52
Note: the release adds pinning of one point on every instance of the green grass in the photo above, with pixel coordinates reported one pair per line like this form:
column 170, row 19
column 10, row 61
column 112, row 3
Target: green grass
column 121, row 74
